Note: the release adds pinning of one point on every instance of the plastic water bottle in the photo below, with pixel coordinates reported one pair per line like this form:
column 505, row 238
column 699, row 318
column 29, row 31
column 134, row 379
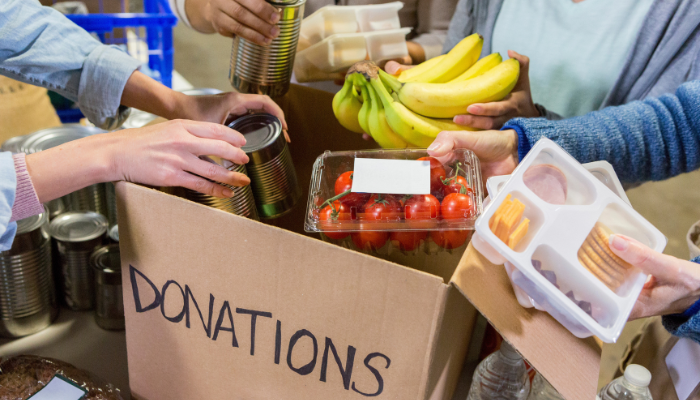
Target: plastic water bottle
column 502, row 375
column 633, row 385
column 542, row 390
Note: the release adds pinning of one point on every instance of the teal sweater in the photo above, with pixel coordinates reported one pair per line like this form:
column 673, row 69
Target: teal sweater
column 653, row 139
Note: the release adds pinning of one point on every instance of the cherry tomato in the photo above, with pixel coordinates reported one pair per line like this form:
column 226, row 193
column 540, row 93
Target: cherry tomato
column 437, row 174
column 369, row 240
column 456, row 184
column 408, row 241
column 382, row 206
column 330, row 216
column 422, row 207
column 450, row 239
column 456, row 206
column 343, row 184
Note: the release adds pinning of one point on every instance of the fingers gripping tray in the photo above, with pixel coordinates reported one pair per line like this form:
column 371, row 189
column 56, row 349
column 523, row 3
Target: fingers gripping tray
column 551, row 221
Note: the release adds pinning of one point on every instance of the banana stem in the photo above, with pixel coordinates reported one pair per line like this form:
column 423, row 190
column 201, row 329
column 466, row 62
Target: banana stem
column 381, row 92
column 390, row 81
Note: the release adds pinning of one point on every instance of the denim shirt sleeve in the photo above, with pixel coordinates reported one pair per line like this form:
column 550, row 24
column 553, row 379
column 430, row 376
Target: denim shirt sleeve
column 8, row 184
column 42, row 47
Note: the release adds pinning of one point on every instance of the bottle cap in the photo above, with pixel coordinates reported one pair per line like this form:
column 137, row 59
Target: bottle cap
column 637, row 375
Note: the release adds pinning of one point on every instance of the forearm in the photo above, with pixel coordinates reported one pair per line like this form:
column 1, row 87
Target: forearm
column 144, row 93
column 650, row 140
column 72, row 166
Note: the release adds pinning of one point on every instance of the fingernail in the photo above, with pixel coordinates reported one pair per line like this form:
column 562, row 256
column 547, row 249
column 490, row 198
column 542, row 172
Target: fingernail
column 617, row 242
column 246, row 159
column 275, row 31
column 275, row 18
column 267, row 40
column 227, row 192
column 245, row 180
column 475, row 109
column 434, row 146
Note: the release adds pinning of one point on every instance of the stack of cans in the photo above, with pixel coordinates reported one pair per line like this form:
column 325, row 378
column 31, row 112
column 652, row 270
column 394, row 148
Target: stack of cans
column 77, row 235
column 27, row 293
column 109, row 304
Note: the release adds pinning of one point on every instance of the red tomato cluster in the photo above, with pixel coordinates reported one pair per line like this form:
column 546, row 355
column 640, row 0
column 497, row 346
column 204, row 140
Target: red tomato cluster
column 449, row 199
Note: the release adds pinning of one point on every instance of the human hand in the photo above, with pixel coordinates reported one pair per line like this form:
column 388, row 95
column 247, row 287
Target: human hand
column 497, row 150
column 517, row 104
column 395, row 68
column 673, row 285
column 253, row 20
column 216, row 108
column 381, row 64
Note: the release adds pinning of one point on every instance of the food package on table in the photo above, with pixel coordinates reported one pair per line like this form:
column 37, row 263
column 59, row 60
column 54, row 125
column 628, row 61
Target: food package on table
column 550, row 223
column 388, row 201
column 23, row 376
column 332, row 20
column 330, row 57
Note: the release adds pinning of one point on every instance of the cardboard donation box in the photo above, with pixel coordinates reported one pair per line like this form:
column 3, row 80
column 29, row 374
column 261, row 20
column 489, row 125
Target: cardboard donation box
column 222, row 307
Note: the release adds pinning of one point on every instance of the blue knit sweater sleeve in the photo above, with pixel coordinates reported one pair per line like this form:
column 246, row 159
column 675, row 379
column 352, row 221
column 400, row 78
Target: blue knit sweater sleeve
column 686, row 324
column 653, row 139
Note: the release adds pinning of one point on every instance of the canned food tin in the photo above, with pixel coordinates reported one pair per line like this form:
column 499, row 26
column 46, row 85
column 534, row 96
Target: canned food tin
column 109, row 304
column 242, row 203
column 27, row 294
column 271, row 170
column 77, row 234
column 268, row 69
column 111, row 202
column 14, row 144
column 91, row 198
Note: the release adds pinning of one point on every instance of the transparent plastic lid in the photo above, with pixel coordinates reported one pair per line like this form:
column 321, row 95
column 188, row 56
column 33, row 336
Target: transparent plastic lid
column 393, row 190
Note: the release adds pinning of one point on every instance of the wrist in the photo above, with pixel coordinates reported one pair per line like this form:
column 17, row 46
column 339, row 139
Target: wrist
column 103, row 165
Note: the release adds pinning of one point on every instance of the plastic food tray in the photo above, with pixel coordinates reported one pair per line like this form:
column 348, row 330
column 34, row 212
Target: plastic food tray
column 332, row 20
column 556, row 234
column 433, row 231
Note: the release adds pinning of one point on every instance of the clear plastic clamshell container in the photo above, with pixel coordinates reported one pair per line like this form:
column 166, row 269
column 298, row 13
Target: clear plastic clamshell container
column 341, row 51
column 384, row 202
column 550, row 222
column 332, row 20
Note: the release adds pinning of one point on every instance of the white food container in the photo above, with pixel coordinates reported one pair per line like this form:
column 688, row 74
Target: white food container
column 556, row 233
column 332, row 20
column 341, row 51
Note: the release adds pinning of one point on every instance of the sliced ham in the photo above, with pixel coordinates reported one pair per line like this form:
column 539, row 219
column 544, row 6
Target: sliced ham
column 547, row 182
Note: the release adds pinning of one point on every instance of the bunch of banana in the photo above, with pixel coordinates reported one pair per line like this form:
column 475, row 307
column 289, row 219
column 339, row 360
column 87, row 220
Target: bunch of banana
column 411, row 109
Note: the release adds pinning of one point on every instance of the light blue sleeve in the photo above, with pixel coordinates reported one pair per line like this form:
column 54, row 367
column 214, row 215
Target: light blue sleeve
column 8, row 185
column 40, row 46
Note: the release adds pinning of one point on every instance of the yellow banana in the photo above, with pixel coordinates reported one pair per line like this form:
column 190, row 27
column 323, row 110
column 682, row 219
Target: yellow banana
column 445, row 100
column 481, row 67
column 379, row 129
column 363, row 117
column 346, row 107
column 459, row 59
column 408, row 74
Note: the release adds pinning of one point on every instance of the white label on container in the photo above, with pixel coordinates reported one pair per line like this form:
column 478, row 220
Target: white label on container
column 683, row 363
column 59, row 388
column 372, row 175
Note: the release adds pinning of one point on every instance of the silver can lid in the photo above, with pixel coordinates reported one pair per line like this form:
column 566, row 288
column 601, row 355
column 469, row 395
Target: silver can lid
column 107, row 259
column 14, row 144
column 138, row 119
column 31, row 223
column 52, row 137
column 260, row 130
column 78, row 226
column 114, row 233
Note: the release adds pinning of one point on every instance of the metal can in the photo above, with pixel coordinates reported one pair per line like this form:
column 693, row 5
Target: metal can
column 111, row 201
column 242, row 203
column 113, row 233
column 77, row 235
column 268, row 69
column 109, row 303
column 27, row 293
column 14, row 144
column 91, row 198
column 271, row 170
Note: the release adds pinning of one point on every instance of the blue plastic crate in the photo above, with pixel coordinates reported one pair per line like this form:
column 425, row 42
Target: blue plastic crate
column 153, row 27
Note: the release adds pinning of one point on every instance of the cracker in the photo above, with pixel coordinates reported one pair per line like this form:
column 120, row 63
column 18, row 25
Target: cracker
column 602, row 236
column 603, row 264
column 597, row 271
column 600, row 250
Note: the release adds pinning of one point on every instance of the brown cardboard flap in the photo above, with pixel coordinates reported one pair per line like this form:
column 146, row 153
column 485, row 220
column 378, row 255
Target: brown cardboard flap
column 570, row 364
column 299, row 285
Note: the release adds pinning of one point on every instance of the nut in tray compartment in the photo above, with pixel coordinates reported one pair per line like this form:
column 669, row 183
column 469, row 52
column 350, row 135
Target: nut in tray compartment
column 385, row 202
column 552, row 219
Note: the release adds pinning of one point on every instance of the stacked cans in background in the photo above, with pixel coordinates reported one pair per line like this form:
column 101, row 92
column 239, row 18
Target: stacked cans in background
column 38, row 272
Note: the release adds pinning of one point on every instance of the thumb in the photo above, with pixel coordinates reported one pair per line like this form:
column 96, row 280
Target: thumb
column 446, row 141
column 394, row 68
column 660, row 266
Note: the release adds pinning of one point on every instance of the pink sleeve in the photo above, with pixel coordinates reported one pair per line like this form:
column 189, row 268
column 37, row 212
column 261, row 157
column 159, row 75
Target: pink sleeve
column 26, row 200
